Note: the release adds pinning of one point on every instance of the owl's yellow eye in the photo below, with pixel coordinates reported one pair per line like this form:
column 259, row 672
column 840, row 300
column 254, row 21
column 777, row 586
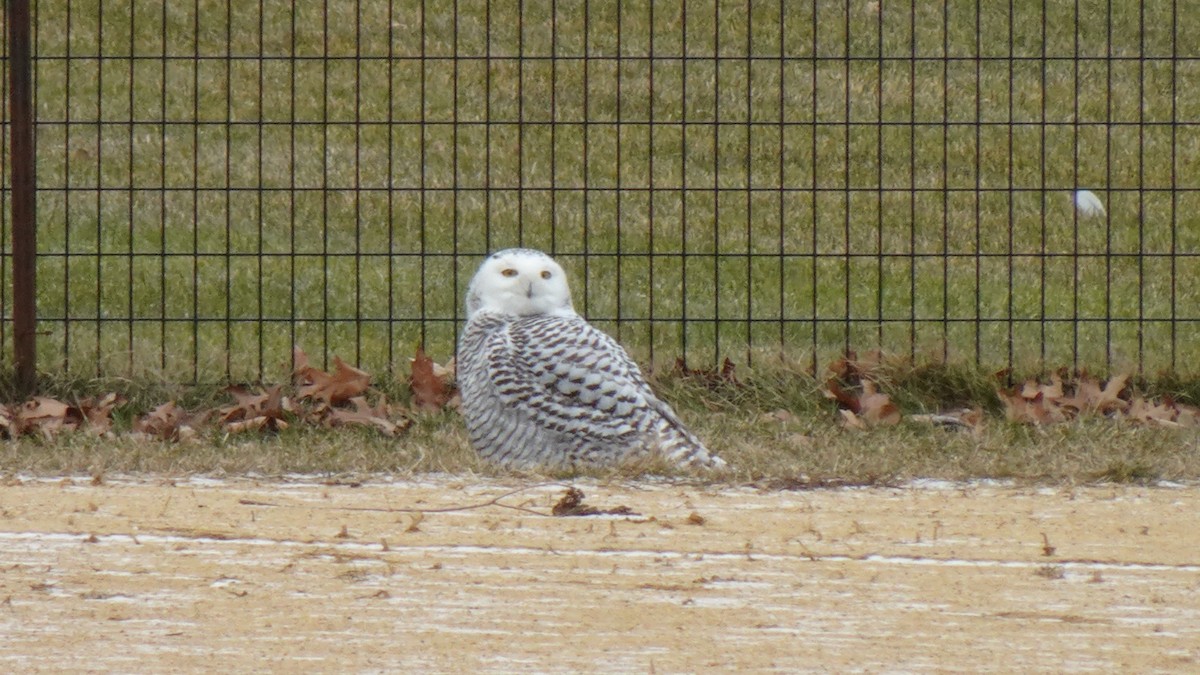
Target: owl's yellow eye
column 545, row 274
column 509, row 272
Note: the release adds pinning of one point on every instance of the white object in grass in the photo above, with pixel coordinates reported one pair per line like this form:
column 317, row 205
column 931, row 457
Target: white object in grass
column 1088, row 204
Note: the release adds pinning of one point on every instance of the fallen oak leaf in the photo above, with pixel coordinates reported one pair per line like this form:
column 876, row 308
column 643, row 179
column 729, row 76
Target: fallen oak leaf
column 300, row 365
column 1052, row 392
column 47, row 415
column 265, row 410
column 98, row 413
column 851, row 420
column 845, row 368
column 337, row 387
column 1091, row 397
column 169, row 422
column 364, row 414
column 1109, row 397
column 1187, row 415
column 974, row 419
column 1034, row 410
column 867, row 365
column 428, row 390
column 258, row 423
column 876, row 408
column 1145, row 412
column 247, row 404
column 846, row 400
column 727, row 368
column 159, row 420
column 42, row 407
column 871, row 408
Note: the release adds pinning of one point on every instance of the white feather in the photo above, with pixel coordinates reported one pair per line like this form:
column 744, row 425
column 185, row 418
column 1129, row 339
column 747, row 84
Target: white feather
column 1088, row 204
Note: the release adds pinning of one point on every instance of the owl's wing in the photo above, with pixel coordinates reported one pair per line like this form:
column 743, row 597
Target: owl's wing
column 571, row 377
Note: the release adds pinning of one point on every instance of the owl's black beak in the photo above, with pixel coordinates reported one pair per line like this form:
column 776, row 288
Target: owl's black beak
column 529, row 291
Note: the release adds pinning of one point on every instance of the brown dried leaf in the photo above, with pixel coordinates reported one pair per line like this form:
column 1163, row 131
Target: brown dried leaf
column 161, row 421
column 1086, row 390
column 1017, row 408
column 1187, row 416
column 975, row 419
column 41, row 407
column 846, row 400
column 98, row 413
column 868, row 364
column 344, row 383
column 851, row 420
column 255, row 411
column 1109, row 399
column 46, row 415
column 845, row 368
column 299, row 361
column 256, row 424
column 247, row 404
column 1054, row 390
column 1090, row 397
column 169, row 422
column 428, row 390
column 727, row 368
column 876, row 408
column 1147, row 412
column 377, row 417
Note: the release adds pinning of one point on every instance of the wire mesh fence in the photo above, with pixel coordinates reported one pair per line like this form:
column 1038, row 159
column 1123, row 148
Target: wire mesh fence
column 219, row 181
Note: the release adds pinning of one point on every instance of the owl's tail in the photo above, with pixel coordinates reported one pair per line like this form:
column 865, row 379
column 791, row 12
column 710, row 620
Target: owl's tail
column 681, row 446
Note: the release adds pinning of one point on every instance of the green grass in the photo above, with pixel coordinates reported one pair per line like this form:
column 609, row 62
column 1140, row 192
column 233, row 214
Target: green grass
column 172, row 225
column 741, row 423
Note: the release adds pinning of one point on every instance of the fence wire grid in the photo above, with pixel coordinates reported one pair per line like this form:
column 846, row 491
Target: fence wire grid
column 219, row 181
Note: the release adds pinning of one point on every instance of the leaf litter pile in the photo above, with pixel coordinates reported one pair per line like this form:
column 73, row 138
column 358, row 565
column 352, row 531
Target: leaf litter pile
column 851, row 385
column 343, row 397
column 316, row 398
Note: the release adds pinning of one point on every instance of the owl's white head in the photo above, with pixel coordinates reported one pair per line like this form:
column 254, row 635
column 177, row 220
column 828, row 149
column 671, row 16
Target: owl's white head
column 520, row 282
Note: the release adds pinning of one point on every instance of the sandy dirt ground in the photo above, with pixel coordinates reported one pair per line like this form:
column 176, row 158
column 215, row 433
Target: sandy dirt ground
column 150, row 575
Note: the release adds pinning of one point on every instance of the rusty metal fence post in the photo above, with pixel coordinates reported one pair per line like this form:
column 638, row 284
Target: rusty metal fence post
column 24, row 224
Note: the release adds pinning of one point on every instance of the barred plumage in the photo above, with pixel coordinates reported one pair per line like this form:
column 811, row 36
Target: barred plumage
column 543, row 387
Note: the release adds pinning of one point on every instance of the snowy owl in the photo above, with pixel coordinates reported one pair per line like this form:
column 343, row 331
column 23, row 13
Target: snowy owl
column 541, row 387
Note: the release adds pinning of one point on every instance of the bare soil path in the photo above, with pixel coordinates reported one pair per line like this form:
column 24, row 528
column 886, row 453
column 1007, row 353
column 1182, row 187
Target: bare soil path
column 149, row 575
